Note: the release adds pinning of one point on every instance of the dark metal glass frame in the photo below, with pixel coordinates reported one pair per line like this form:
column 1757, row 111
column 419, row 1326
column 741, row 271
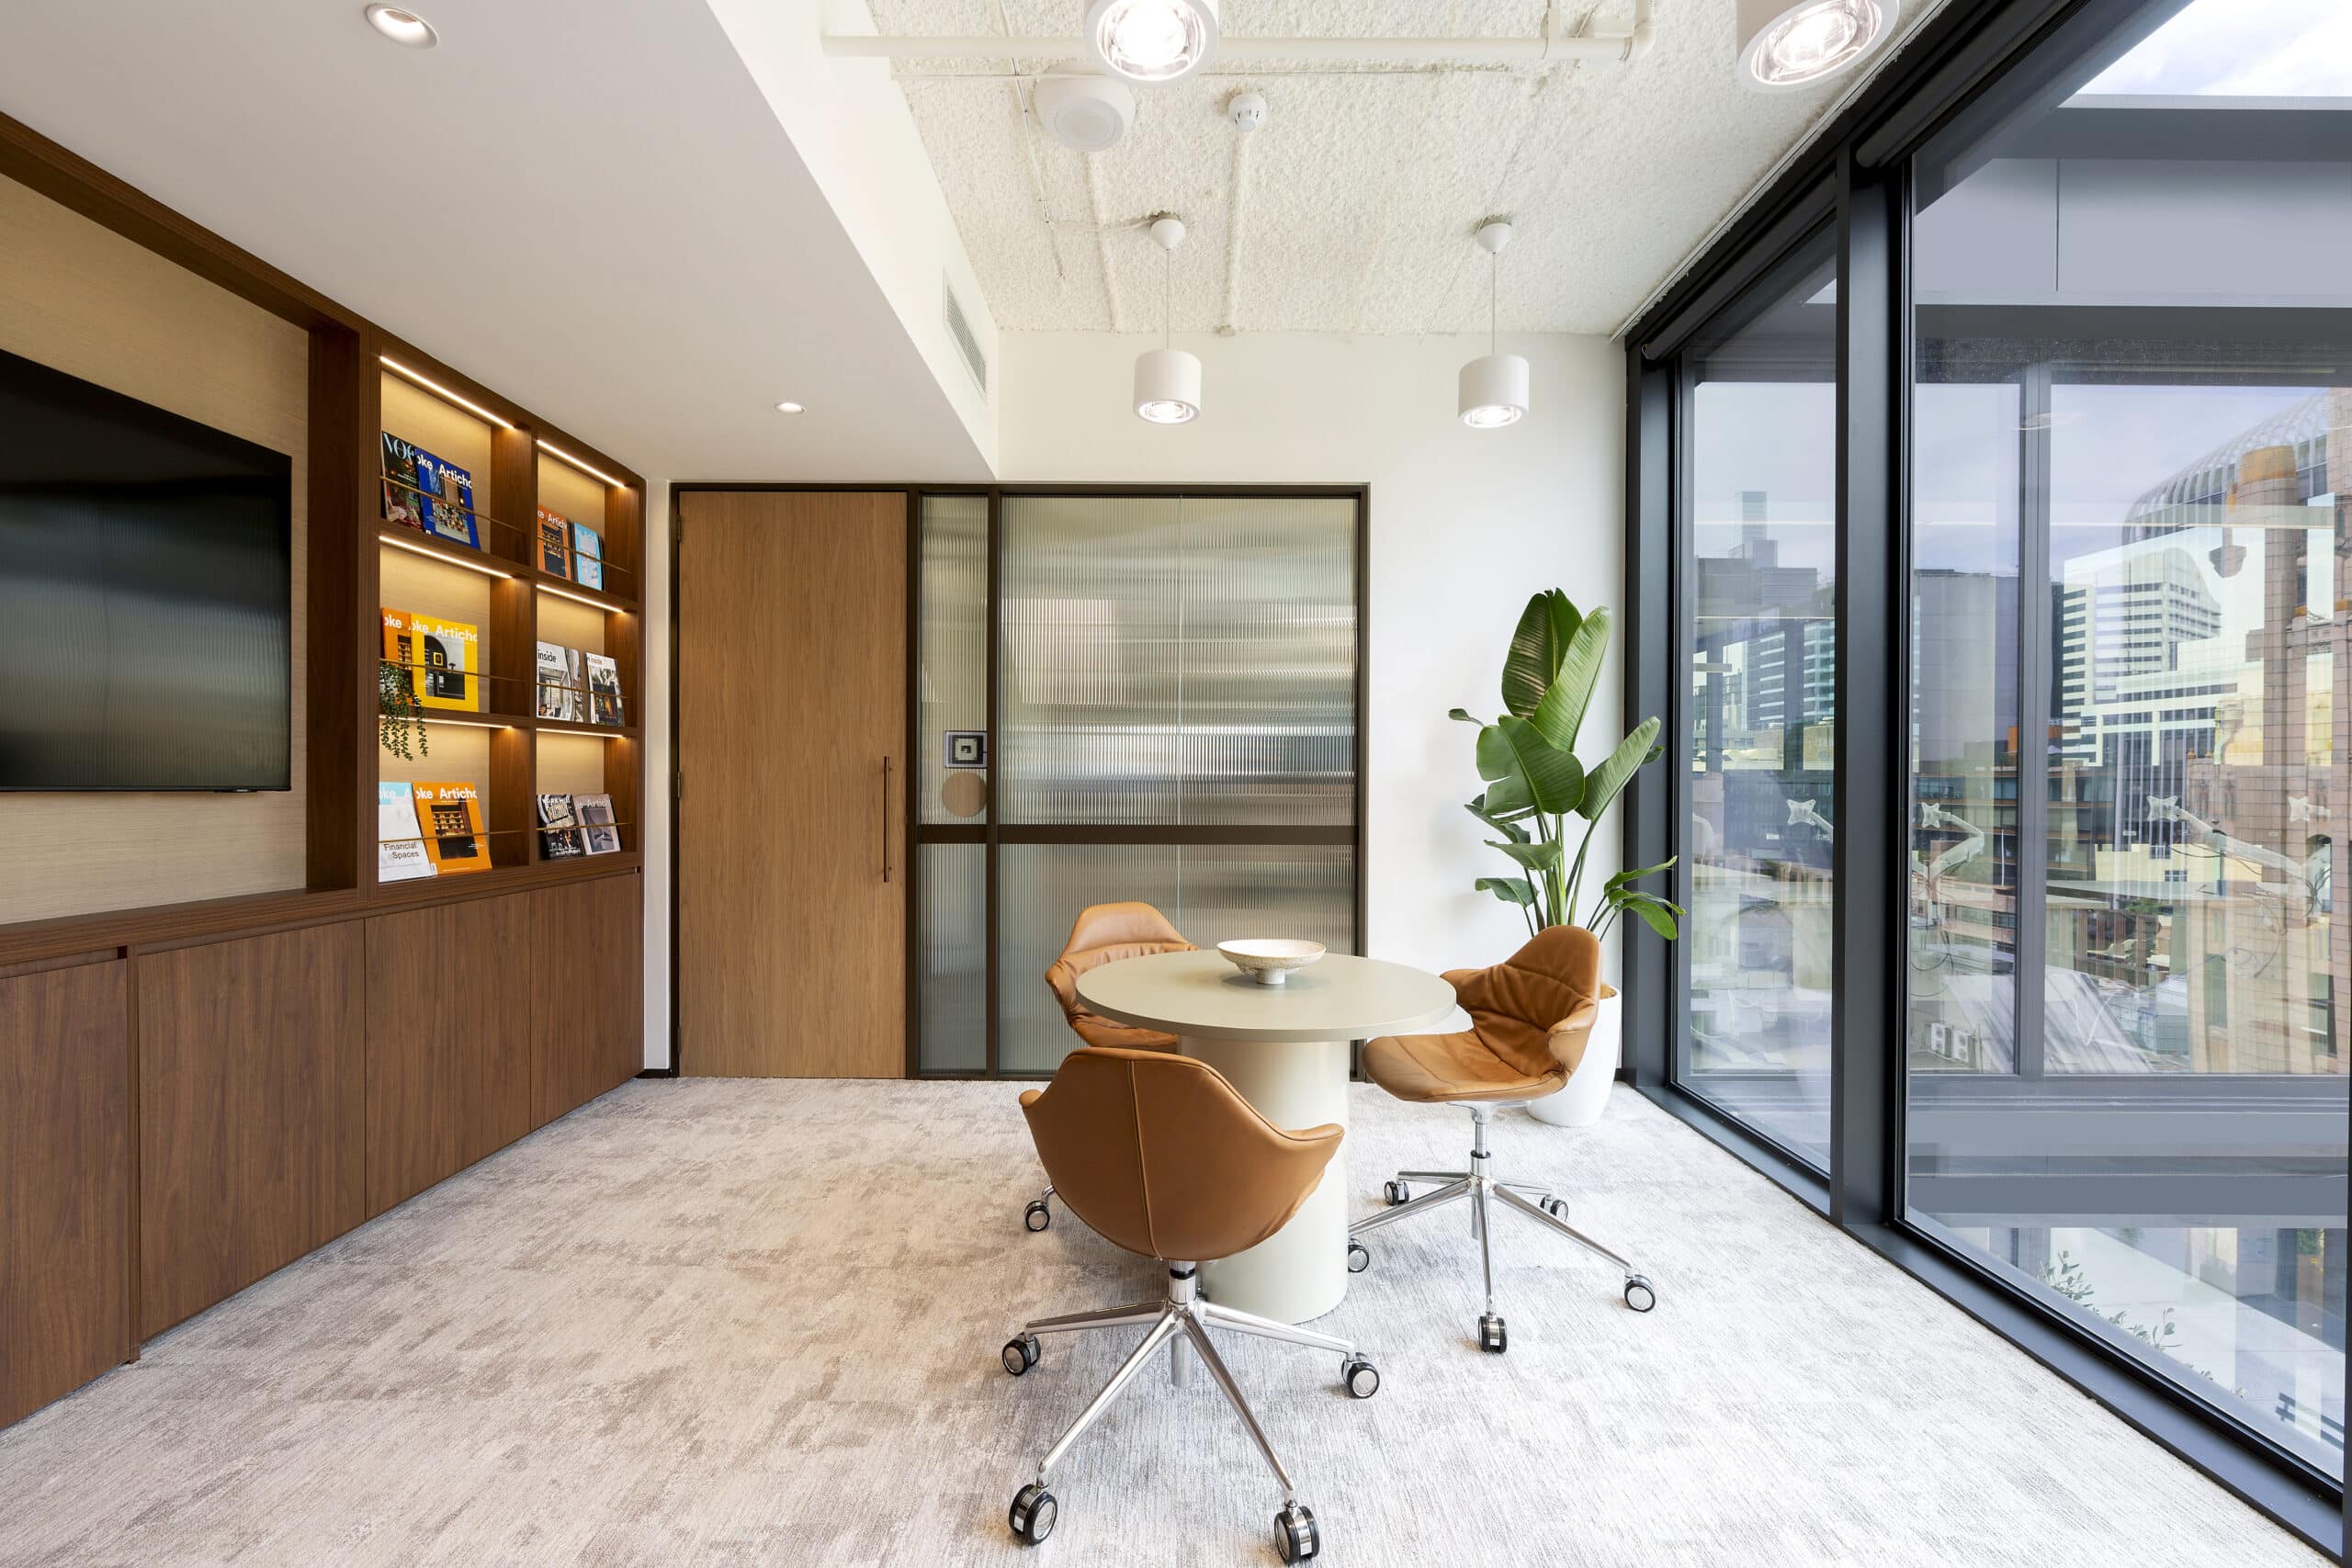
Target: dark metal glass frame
column 1855, row 177
column 914, row 833
column 994, row 833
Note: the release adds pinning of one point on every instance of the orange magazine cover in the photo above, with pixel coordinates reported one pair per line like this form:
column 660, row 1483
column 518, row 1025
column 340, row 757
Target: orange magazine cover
column 449, row 815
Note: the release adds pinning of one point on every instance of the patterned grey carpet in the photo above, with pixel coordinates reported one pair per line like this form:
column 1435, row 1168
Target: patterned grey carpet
column 758, row 1322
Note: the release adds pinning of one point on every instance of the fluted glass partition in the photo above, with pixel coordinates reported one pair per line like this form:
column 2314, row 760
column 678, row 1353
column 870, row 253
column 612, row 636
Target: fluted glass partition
column 1168, row 685
column 1178, row 659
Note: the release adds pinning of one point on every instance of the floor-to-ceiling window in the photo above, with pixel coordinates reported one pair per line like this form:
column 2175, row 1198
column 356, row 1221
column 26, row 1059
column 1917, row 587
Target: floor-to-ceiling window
column 1758, row 537
column 2132, row 425
column 1173, row 720
column 2018, row 938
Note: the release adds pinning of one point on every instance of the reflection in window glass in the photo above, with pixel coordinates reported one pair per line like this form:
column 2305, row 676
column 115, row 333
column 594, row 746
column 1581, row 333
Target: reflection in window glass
column 1760, row 652
column 2133, row 442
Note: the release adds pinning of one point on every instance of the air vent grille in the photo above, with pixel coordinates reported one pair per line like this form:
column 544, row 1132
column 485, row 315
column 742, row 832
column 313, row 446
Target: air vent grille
column 966, row 344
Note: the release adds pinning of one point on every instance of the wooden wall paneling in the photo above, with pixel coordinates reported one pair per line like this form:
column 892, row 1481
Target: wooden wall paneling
column 587, row 1013
column 512, row 656
column 251, row 1110
column 625, row 540
column 791, row 696
column 74, row 182
column 65, row 1181
column 499, row 1052
column 343, row 463
column 513, row 807
column 448, row 1041
column 515, row 470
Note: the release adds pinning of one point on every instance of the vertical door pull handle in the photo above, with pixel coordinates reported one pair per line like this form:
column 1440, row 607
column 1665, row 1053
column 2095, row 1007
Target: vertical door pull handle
column 886, row 820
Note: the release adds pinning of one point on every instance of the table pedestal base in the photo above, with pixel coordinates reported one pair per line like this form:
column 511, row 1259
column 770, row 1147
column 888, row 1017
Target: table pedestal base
column 1300, row 1271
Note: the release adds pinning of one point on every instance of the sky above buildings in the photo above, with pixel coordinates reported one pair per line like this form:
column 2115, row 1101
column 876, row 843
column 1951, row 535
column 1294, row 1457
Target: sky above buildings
column 2294, row 49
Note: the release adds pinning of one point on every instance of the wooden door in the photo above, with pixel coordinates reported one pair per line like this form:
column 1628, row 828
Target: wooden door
column 792, row 756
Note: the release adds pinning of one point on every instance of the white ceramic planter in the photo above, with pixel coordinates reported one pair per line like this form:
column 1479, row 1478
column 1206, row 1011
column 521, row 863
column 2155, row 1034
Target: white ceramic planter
column 1579, row 1104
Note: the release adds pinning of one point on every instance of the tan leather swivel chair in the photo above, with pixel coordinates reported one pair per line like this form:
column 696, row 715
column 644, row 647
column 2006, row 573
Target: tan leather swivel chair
column 1162, row 1156
column 1104, row 933
column 1530, row 1015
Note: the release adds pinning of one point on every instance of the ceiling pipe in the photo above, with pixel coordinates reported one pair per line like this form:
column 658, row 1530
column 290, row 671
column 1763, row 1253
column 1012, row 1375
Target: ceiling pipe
column 1547, row 48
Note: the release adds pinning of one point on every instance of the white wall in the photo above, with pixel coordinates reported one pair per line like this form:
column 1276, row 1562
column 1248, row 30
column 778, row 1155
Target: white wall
column 1465, row 525
column 848, row 120
column 653, row 809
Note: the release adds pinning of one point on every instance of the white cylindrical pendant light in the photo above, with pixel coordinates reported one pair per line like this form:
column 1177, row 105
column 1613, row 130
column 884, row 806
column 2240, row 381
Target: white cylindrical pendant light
column 1167, row 385
column 1785, row 45
column 1151, row 42
column 1494, row 391
column 1493, row 387
column 1167, row 379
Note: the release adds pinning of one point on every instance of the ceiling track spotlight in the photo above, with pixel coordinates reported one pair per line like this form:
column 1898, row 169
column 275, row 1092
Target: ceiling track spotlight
column 1167, row 379
column 1151, row 42
column 1788, row 45
column 1493, row 387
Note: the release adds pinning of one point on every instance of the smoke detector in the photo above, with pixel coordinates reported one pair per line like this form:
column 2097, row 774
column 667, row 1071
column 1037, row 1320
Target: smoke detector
column 1247, row 111
column 1084, row 111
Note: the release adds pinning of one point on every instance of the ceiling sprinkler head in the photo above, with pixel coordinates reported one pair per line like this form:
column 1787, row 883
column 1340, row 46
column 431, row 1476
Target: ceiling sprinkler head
column 1247, row 111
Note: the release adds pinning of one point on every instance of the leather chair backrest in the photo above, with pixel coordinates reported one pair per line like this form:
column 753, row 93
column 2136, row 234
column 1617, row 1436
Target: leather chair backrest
column 1105, row 933
column 1516, row 1004
column 1161, row 1156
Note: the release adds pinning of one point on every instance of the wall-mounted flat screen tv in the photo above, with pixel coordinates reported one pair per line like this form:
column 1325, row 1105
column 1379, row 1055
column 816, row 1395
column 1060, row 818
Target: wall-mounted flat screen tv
column 146, row 596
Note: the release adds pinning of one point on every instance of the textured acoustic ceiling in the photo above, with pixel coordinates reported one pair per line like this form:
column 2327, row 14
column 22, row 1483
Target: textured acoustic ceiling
column 1351, row 211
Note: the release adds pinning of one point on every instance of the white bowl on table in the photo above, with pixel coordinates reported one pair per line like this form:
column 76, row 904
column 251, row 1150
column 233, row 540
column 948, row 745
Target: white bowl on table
column 1270, row 960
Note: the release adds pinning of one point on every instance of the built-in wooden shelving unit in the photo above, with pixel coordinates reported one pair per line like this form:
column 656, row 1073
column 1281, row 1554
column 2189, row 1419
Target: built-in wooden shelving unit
column 519, row 465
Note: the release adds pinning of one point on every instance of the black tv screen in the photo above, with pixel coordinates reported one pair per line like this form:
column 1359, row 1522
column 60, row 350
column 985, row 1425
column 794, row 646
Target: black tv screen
column 146, row 622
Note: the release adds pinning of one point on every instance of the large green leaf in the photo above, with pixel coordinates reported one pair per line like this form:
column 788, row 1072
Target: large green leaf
column 1535, row 857
column 1509, row 889
column 1657, row 920
column 1553, row 776
column 1537, row 647
column 1508, row 800
column 1507, row 826
column 1635, row 874
column 1561, row 713
column 1603, row 784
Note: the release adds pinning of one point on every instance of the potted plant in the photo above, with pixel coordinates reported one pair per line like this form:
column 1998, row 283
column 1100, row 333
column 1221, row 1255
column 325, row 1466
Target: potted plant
column 1535, row 784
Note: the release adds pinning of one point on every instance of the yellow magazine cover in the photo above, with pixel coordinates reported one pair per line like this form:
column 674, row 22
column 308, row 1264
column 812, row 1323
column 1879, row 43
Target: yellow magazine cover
column 400, row 646
column 449, row 815
column 447, row 652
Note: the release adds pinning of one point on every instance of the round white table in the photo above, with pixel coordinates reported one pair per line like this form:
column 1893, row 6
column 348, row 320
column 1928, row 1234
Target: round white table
column 1284, row 1048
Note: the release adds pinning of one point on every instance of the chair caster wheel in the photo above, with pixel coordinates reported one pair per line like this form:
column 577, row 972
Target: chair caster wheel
column 1036, row 1216
column 1491, row 1337
column 1295, row 1537
column 1359, row 1256
column 1396, row 1192
column 1021, row 1353
column 1032, row 1515
column 1638, row 1292
column 1554, row 1207
column 1361, row 1377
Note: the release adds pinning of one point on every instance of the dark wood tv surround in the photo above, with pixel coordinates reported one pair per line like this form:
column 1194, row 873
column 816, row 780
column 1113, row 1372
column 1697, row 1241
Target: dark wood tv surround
column 193, row 1095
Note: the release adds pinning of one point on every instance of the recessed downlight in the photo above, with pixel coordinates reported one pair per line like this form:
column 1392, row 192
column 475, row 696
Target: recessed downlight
column 791, row 408
column 1789, row 44
column 402, row 27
